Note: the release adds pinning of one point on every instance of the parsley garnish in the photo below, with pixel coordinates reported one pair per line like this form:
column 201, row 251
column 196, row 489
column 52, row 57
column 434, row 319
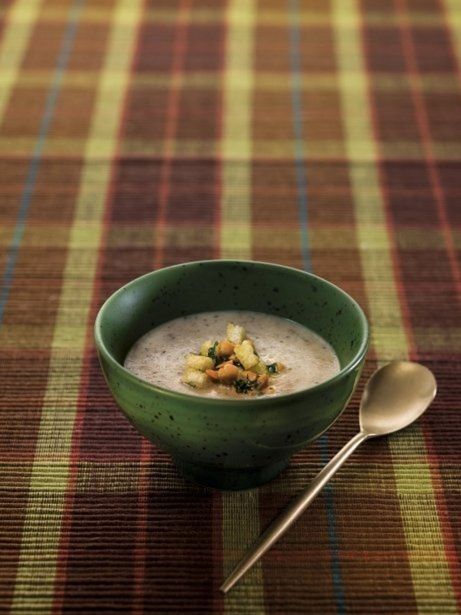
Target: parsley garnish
column 272, row 368
column 243, row 386
column 212, row 351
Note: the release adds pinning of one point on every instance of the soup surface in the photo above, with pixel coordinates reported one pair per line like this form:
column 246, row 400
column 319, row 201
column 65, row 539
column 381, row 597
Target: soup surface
column 158, row 356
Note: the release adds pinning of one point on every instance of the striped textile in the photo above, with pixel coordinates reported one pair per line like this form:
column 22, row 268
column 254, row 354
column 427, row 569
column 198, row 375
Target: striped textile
column 134, row 134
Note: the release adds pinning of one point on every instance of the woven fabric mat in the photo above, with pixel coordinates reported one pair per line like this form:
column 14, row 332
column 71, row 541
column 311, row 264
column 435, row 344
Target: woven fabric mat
column 134, row 134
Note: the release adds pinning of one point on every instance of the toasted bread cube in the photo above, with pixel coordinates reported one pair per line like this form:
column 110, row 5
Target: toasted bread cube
column 235, row 333
column 194, row 378
column 260, row 368
column 197, row 361
column 205, row 347
column 246, row 354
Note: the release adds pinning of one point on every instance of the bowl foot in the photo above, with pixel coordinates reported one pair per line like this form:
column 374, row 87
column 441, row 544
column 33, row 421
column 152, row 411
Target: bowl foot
column 230, row 478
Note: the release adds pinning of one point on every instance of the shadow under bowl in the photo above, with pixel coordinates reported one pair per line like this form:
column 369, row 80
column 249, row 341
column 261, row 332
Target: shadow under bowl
column 229, row 443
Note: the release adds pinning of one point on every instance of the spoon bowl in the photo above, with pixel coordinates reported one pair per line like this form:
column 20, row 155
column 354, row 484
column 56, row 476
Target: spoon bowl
column 395, row 396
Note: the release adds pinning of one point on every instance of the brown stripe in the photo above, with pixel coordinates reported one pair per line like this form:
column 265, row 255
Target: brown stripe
column 100, row 549
column 179, row 550
column 6, row 4
column 190, row 200
column 44, row 45
column 13, row 174
column 105, row 432
column 146, row 455
column 274, row 194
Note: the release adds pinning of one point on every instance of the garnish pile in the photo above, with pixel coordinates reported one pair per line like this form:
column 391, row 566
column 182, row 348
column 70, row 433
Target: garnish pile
column 232, row 362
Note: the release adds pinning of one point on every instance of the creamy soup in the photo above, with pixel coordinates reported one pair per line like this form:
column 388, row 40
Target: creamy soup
column 159, row 356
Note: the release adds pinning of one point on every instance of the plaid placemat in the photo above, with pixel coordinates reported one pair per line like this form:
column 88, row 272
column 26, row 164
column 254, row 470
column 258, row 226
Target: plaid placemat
column 134, row 134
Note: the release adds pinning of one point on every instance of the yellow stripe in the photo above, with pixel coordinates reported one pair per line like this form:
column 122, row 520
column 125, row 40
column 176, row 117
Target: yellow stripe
column 240, row 528
column 13, row 47
column 236, row 142
column 453, row 12
column 267, row 16
column 263, row 149
column 15, row 40
column 240, row 523
column 264, row 81
column 41, row 532
column 181, row 235
column 429, row 568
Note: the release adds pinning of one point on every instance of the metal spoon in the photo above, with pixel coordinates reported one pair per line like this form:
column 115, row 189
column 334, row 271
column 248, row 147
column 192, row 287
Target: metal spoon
column 394, row 397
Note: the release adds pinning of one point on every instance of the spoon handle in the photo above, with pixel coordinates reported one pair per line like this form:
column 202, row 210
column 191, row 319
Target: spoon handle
column 295, row 509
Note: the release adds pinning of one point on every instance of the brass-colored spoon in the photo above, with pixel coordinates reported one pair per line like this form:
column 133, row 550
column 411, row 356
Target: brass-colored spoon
column 394, row 397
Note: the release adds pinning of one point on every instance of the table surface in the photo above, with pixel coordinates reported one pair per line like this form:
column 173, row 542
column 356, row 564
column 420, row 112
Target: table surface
column 322, row 134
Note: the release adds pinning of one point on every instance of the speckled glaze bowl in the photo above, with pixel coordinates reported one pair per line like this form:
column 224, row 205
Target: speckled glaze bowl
column 230, row 444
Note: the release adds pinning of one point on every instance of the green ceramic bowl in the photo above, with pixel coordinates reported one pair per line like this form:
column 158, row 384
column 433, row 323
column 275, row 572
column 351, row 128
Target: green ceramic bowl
column 230, row 444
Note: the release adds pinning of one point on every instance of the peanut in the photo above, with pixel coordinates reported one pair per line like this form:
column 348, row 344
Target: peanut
column 263, row 381
column 228, row 373
column 225, row 348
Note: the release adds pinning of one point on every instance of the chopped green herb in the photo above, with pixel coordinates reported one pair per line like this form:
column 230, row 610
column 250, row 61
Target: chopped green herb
column 212, row 351
column 243, row 386
column 272, row 368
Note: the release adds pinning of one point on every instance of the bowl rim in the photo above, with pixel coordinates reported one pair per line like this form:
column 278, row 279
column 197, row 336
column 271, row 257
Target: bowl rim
column 264, row 400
